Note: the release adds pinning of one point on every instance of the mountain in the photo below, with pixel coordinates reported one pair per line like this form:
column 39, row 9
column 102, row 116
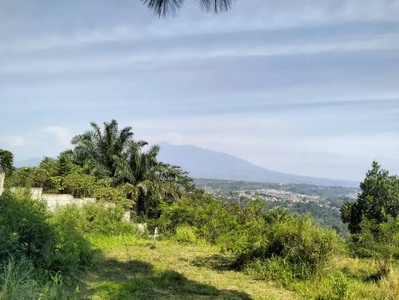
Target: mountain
column 204, row 163
column 33, row 162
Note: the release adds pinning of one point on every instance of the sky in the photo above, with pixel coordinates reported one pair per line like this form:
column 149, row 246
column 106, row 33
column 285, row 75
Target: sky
column 298, row 86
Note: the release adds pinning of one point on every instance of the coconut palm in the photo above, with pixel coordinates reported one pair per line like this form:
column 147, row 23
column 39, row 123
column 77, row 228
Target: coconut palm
column 163, row 8
column 97, row 149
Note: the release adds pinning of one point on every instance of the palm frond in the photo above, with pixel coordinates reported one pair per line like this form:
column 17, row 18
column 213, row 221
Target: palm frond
column 215, row 5
column 163, row 8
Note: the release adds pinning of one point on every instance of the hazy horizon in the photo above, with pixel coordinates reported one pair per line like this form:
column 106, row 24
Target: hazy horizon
column 300, row 87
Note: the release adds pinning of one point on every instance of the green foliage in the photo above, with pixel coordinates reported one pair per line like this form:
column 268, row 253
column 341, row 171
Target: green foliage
column 35, row 177
column 79, row 184
column 94, row 219
column 186, row 234
column 28, row 234
column 6, row 162
column 117, row 195
column 378, row 241
column 293, row 244
column 25, row 232
column 324, row 215
column 376, row 202
column 16, row 281
column 372, row 219
column 112, row 155
column 212, row 219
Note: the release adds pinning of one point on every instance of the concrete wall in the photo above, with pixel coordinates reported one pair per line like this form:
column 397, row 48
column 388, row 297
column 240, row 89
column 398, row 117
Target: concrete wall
column 2, row 177
column 35, row 193
column 57, row 200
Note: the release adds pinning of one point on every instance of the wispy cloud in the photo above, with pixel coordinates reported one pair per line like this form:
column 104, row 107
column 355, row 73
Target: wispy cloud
column 254, row 15
column 12, row 141
column 151, row 59
column 296, row 86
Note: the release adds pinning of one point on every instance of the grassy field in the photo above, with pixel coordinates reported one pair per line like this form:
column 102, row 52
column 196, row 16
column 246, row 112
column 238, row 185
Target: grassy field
column 168, row 271
column 131, row 268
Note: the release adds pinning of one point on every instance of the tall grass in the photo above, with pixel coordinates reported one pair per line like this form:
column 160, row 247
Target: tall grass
column 16, row 281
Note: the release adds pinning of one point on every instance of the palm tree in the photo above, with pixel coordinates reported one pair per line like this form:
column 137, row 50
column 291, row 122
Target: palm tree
column 153, row 181
column 97, row 149
column 117, row 160
column 163, row 8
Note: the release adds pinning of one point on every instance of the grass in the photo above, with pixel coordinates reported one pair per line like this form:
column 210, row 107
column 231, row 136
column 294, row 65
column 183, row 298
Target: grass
column 168, row 271
column 132, row 268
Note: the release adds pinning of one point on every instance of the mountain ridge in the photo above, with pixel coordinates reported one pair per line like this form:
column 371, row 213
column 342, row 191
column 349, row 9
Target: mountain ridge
column 205, row 163
column 209, row 164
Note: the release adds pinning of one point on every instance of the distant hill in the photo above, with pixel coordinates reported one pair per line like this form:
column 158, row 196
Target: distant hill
column 33, row 162
column 204, row 163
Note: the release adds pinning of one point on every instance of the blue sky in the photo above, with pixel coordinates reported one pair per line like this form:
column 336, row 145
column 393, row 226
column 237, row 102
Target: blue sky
column 305, row 87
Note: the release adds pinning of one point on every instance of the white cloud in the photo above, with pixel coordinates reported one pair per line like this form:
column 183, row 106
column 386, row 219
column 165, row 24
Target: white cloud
column 13, row 141
column 60, row 134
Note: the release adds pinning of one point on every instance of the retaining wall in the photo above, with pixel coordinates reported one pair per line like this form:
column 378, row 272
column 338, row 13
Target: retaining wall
column 57, row 200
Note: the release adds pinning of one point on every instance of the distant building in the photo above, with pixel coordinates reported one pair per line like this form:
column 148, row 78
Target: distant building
column 208, row 191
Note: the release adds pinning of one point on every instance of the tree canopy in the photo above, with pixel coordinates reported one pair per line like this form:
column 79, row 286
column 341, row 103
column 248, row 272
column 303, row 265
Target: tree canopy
column 377, row 201
column 6, row 162
column 108, row 164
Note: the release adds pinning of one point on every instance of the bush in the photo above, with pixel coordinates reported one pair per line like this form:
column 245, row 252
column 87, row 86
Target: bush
column 377, row 241
column 186, row 234
column 94, row 219
column 293, row 244
column 211, row 218
column 35, row 247
column 25, row 233
column 72, row 251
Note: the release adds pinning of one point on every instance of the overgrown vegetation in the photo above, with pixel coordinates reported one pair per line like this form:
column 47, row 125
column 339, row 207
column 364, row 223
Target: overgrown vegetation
column 44, row 255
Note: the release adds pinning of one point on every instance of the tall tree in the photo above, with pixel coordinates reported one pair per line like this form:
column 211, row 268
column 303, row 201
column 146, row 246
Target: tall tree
column 153, row 181
column 163, row 8
column 114, row 157
column 379, row 199
column 98, row 148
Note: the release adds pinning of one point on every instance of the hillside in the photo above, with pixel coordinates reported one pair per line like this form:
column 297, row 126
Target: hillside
column 33, row 162
column 204, row 163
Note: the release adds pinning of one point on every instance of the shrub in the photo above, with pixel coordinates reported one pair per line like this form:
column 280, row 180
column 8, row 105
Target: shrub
column 377, row 241
column 35, row 247
column 28, row 233
column 94, row 219
column 212, row 218
column 72, row 250
column 292, row 243
column 25, row 233
column 186, row 234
